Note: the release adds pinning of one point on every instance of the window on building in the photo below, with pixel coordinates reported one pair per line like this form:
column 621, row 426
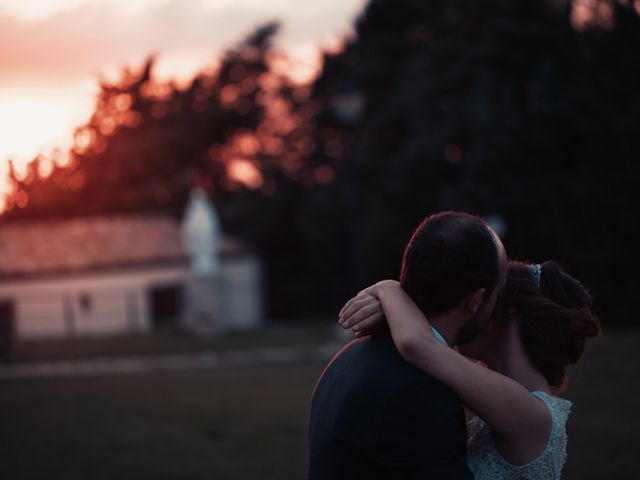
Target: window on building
column 166, row 304
column 85, row 302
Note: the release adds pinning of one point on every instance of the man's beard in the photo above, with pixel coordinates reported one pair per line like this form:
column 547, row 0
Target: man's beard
column 475, row 324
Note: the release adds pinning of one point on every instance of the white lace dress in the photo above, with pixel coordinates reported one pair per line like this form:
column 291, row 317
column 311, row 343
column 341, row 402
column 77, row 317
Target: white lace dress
column 486, row 463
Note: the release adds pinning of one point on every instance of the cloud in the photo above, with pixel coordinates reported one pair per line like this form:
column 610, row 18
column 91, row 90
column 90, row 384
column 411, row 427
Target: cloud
column 85, row 40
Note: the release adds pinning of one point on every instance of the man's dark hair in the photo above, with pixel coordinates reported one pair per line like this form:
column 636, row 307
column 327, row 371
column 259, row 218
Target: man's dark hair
column 449, row 256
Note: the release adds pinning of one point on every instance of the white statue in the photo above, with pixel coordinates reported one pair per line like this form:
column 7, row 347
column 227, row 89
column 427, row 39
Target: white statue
column 201, row 232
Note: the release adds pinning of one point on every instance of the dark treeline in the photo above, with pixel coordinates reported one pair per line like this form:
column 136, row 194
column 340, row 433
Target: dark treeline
column 495, row 107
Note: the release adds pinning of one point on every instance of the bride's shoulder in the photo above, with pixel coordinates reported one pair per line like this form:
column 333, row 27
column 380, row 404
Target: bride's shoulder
column 487, row 462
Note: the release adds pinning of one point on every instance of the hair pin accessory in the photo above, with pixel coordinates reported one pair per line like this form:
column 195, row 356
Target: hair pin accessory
column 536, row 270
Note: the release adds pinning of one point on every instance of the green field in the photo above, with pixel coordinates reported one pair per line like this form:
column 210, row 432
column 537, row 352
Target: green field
column 250, row 422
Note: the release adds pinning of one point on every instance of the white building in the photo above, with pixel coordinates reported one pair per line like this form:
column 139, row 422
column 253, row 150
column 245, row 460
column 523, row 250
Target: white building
column 111, row 275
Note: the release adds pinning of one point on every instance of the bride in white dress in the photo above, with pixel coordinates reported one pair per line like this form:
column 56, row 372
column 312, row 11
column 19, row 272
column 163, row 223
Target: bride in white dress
column 537, row 330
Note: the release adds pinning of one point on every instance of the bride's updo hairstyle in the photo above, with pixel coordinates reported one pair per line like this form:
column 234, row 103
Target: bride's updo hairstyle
column 555, row 315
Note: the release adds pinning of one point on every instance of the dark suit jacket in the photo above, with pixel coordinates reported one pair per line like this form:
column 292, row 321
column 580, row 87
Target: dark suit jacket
column 374, row 416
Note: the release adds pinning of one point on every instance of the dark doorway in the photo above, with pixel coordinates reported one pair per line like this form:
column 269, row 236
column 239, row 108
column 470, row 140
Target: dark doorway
column 166, row 304
column 7, row 330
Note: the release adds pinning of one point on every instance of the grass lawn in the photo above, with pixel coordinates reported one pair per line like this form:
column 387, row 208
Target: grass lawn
column 287, row 333
column 604, row 442
column 234, row 423
column 250, row 422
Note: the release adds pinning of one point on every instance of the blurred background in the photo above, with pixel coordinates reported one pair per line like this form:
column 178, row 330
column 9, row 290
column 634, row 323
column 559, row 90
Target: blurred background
column 192, row 189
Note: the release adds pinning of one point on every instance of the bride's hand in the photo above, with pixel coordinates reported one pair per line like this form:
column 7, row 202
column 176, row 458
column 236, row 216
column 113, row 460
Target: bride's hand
column 375, row 289
column 363, row 314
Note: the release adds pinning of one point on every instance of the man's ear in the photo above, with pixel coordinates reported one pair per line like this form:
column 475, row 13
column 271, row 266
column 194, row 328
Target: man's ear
column 473, row 301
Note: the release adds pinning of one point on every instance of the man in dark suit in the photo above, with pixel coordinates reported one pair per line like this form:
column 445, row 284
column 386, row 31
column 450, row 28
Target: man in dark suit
column 374, row 416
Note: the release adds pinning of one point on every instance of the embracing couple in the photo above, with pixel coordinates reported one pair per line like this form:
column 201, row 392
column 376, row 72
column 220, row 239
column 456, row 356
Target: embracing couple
column 389, row 405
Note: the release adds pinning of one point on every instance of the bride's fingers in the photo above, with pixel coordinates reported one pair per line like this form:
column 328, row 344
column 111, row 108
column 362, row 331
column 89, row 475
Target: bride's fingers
column 353, row 313
column 354, row 305
column 350, row 303
column 346, row 306
column 363, row 324
column 362, row 314
column 368, row 323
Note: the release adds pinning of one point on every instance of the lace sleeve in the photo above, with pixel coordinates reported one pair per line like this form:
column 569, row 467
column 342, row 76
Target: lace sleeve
column 556, row 450
column 486, row 463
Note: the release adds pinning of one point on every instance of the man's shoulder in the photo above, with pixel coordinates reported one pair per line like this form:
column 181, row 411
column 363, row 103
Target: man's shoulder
column 375, row 362
column 368, row 397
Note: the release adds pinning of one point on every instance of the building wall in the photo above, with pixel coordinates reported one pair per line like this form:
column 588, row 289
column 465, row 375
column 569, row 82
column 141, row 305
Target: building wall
column 88, row 304
column 107, row 303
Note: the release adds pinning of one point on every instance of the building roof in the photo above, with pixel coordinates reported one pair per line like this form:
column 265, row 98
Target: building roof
column 90, row 243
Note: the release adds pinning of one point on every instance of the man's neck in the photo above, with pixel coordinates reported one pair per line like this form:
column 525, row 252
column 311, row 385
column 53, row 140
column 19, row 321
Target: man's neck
column 445, row 327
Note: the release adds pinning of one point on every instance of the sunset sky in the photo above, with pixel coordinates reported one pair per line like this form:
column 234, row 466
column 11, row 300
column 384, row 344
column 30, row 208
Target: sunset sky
column 53, row 51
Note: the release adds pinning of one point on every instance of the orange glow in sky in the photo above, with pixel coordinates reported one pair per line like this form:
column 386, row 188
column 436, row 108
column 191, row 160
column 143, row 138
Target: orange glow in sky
column 39, row 119
column 52, row 53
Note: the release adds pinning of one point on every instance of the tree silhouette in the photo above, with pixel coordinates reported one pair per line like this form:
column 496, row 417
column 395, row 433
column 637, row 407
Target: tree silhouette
column 147, row 143
column 492, row 107
column 495, row 107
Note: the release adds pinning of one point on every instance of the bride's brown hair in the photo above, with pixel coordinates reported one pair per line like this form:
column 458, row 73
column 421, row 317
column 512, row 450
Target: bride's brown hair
column 555, row 316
